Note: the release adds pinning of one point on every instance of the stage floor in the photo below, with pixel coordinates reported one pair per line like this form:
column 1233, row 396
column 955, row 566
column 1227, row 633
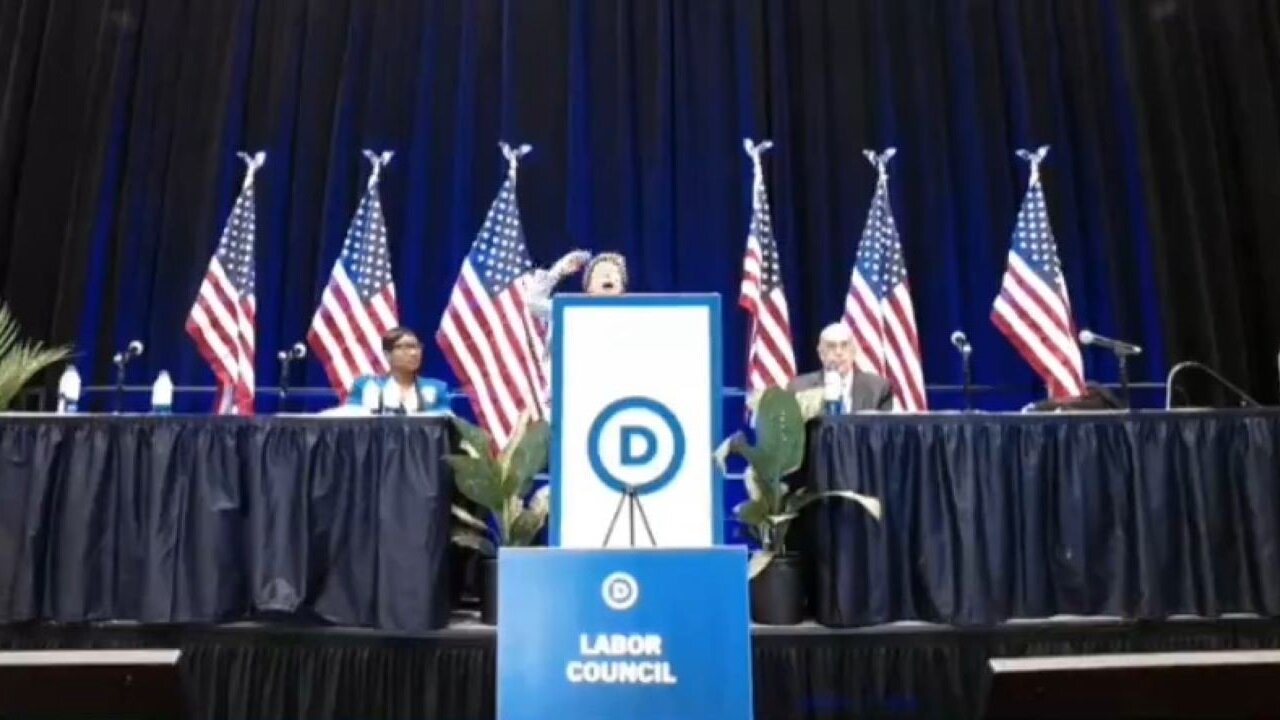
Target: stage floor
column 280, row 668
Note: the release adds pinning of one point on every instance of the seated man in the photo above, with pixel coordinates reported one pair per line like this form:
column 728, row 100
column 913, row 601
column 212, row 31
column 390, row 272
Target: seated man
column 416, row 394
column 862, row 390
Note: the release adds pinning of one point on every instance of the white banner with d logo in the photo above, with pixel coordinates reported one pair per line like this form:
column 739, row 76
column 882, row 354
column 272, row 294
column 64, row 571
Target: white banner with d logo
column 636, row 416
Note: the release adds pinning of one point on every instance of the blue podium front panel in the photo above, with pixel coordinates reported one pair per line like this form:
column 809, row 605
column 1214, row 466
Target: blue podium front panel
column 652, row 634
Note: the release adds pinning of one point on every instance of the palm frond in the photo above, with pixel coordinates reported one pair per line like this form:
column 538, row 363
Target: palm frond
column 21, row 360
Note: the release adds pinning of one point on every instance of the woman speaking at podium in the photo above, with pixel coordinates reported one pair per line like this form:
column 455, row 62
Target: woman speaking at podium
column 401, row 390
column 605, row 274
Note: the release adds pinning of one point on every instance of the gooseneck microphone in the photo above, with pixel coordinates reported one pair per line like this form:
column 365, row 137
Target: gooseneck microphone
column 1119, row 347
column 1246, row 400
column 121, row 359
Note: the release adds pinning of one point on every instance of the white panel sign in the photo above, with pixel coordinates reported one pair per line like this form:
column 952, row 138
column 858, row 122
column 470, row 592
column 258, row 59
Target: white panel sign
column 636, row 416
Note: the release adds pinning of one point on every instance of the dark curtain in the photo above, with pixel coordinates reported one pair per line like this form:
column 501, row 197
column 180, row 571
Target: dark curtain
column 119, row 121
column 211, row 520
column 262, row 673
column 991, row 518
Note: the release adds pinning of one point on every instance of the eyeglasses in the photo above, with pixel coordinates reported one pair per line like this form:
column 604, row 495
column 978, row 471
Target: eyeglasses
column 411, row 345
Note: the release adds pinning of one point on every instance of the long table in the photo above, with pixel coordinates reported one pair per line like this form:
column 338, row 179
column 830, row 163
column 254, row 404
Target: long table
column 987, row 517
column 198, row 519
column 992, row 517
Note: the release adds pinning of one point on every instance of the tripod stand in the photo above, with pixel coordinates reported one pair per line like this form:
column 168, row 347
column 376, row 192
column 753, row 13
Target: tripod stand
column 632, row 501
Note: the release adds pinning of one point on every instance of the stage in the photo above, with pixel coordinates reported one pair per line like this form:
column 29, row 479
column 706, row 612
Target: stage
column 283, row 669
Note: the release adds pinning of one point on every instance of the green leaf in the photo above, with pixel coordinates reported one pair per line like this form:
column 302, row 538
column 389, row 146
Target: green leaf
column 526, row 527
column 761, row 485
column 754, row 491
column 468, row 519
column 526, row 456
column 758, row 563
column 811, row 404
column 473, row 439
column 721, row 454
column 800, row 501
column 478, row 480
column 779, row 432
column 475, row 541
column 752, row 512
column 20, row 361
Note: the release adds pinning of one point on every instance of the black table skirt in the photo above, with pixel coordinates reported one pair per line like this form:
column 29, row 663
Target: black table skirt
column 994, row 517
column 202, row 519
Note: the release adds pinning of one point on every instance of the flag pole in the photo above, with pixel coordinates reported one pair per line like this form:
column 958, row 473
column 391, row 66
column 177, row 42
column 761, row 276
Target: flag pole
column 513, row 156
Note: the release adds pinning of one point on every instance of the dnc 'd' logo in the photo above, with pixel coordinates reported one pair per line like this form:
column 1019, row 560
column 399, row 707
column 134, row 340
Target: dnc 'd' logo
column 636, row 444
column 620, row 591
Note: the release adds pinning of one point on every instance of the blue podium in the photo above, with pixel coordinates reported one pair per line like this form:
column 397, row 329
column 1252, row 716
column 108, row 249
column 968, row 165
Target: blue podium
column 611, row 634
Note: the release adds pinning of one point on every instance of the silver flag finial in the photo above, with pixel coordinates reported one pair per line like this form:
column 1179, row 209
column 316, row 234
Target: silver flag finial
column 251, row 165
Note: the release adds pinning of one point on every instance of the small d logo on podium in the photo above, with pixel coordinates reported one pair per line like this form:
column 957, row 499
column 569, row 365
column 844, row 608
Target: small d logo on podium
column 620, row 591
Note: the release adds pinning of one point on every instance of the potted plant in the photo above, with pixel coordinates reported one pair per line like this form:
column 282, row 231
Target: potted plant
column 498, row 482
column 777, row 596
column 21, row 360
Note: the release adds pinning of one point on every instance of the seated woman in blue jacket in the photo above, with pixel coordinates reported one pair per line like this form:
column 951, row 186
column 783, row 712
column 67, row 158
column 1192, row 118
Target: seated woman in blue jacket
column 415, row 394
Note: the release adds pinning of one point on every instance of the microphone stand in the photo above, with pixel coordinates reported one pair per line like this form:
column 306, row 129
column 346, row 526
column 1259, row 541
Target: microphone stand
column 966, row 369
column 1123, row 360
column 121, row 360
column 286, row 359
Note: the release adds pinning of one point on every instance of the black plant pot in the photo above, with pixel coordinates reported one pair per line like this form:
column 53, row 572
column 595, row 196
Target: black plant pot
column 489, row 591
column 777, row 593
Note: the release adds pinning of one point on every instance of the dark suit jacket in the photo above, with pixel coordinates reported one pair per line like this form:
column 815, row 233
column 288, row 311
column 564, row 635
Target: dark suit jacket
column 868, row 391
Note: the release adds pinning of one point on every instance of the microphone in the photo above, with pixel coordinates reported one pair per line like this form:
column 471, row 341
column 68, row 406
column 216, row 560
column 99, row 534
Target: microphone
column 121, row 359
column 1088, row 337
column 961, row 343
column 392, row 402
column 287, row 356
column 1245, row 398
column 1122, row 350
column 132, row 350
column 832, row 389
column 297, row 352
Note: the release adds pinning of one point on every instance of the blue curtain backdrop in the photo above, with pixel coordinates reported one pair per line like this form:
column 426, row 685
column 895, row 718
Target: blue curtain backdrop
column 120, row 119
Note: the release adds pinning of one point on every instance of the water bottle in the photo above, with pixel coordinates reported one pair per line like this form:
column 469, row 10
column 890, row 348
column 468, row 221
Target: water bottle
column 162, row 394
column 69, row 391
column 832, row 393
column 370, row 397
column 391, row 400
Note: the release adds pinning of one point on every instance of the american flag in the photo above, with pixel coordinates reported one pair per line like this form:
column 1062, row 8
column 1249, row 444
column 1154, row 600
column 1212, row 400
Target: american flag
column 358, row 306
column 878, row 308
column 487, row 333
column 1033, row 309
column 223, row 319
column 771, row 360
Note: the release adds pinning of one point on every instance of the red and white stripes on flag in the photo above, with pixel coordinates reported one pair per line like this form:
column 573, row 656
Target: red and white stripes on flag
column 358, row 306
column 487, row 333
column 1033, row 309
column 223, row 320
column 771, row 359
column 878, row 308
